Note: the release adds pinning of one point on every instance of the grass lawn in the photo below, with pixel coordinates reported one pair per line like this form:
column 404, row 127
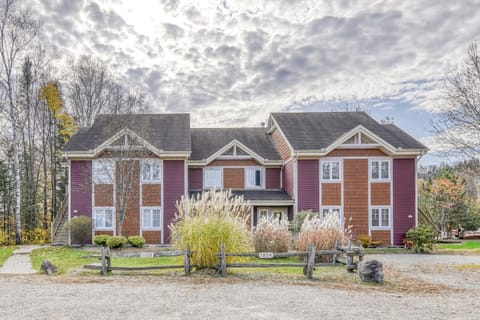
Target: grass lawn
column 466, row 247
column 6, row 252
column 64, row 258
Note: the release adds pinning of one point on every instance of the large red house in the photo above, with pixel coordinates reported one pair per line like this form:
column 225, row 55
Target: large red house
column 344, row 163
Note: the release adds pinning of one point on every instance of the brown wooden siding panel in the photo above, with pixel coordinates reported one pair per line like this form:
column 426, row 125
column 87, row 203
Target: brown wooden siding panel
column 281, row 144
column 103, row 232
column 356, row 195
column 151, row 195
column 380, row 193
column 381, row 235
column 233, row 163
column 356, row 153
column 152, row 237
column 233, row 178
column 103, row 195
column 131, row 224
column 331, row 194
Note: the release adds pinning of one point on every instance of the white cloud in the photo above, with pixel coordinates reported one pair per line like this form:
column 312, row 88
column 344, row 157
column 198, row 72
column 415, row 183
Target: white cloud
column 232, row 62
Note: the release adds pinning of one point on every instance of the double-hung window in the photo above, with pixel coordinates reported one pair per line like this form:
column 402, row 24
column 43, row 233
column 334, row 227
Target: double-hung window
column 380, row 218
column 380, row 169
column 212, row 178
column 151, row 171
column 253, row 178
column 330, row 170
column 103, row 171
column 151, row 218
column 104, row 218
column 333, row 213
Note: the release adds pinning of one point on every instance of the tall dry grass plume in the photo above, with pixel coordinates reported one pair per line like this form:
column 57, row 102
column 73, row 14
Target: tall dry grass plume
column 322, row 232
column 272, row 235
column 206, row 221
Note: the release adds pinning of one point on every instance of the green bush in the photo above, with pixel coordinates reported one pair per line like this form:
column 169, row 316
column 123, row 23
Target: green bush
column 101, row 240
column 272, row 235
column 116, row 242
column 81, row 230
column 213, row 218
column 423, row 238
column 136, row 241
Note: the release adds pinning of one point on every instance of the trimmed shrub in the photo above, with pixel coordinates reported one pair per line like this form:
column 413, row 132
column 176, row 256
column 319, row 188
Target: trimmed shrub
column 205, row 222
column 136, row 241
column 272, row 235
column 321, row 232
column 116, row 242
column 365, row 240
column 423, row 238
column 101, row 240
column 81, row 230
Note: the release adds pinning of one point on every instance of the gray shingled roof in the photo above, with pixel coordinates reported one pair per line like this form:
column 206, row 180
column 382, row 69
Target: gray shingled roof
column 256, row 195
column 318, row 130
column 167, row 131
column 206, row 142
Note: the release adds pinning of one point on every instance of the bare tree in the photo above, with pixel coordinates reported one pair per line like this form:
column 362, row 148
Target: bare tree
column 92, row 90
column 17, row 31
column 458, row 126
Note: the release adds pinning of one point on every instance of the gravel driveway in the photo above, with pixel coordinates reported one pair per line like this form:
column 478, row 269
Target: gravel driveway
column 140, row 297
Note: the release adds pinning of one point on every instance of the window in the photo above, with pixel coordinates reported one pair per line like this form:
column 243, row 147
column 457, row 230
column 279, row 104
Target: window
column 254, row 178
column 333, row 211
column 271, row 214
column 151, row 218
column 103, row 171
column 380, row 218
column 212, row 178
column 380, row 170
column 330, row 170
column 103, row 218
column 151, row 171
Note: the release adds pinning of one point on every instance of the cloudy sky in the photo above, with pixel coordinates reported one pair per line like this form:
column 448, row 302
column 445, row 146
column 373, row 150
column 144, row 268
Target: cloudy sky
column 233, row 62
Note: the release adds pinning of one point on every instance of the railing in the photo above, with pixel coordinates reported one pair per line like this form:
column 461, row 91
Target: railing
column 57, row 221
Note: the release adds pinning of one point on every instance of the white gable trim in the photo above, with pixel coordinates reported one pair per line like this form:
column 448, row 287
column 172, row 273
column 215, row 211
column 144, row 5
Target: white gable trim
column 238, row 144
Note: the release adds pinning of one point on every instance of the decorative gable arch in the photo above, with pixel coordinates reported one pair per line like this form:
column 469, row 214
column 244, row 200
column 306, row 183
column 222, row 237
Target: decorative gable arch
column 126, row 138
column 235, row 150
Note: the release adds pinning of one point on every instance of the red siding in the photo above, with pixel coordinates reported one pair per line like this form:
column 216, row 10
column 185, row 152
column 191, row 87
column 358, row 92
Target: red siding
column 403, row 198
column 195, row 179
column 308, row 185
column 287, row 178
column 174, row 188
column 81, row 188
column 272, row 178
column 281, row 144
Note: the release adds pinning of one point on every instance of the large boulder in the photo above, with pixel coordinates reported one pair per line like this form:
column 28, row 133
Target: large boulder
column 48, row 267
column 371, row 271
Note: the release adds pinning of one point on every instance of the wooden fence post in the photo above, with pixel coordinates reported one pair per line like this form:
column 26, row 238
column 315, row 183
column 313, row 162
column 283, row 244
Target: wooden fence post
column 350, row 265
column 186, row 261
column 109, row 260
column 103, row 271
column 223, row 263
column 311, row 260
column 336, row 251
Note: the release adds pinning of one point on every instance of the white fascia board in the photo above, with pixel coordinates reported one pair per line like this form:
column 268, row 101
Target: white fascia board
column 232, row 143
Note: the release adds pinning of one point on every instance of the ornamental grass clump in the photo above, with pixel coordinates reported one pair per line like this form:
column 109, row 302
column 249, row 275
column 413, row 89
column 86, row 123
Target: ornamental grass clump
column 272, row 235
column 204, row 222
column 321, row 232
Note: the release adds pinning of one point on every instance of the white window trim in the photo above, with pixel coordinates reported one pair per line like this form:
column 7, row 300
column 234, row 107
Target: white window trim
column 205, row 187
column 340, row 208
column 390, row 217
column 160, row 228
column 151, row 161
column 262, row 178
column 106, row 165
column 380, row 179
column 340, row 175
column 95, row 218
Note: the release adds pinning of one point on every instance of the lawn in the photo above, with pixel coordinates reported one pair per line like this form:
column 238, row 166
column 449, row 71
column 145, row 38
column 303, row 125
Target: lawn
column 6, row 252
column 466, row 247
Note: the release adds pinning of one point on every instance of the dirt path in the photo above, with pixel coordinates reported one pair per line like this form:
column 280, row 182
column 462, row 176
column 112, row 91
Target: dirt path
column 19, row 262
column 147, row 297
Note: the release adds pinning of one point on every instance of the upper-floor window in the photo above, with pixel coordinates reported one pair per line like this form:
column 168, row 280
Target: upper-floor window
column 104, row 218
column 212, row 178
column 380, row 217
column 253, row 177
column 380, row 169
column 330, row 170
column 103, row 171
column 151, row 171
